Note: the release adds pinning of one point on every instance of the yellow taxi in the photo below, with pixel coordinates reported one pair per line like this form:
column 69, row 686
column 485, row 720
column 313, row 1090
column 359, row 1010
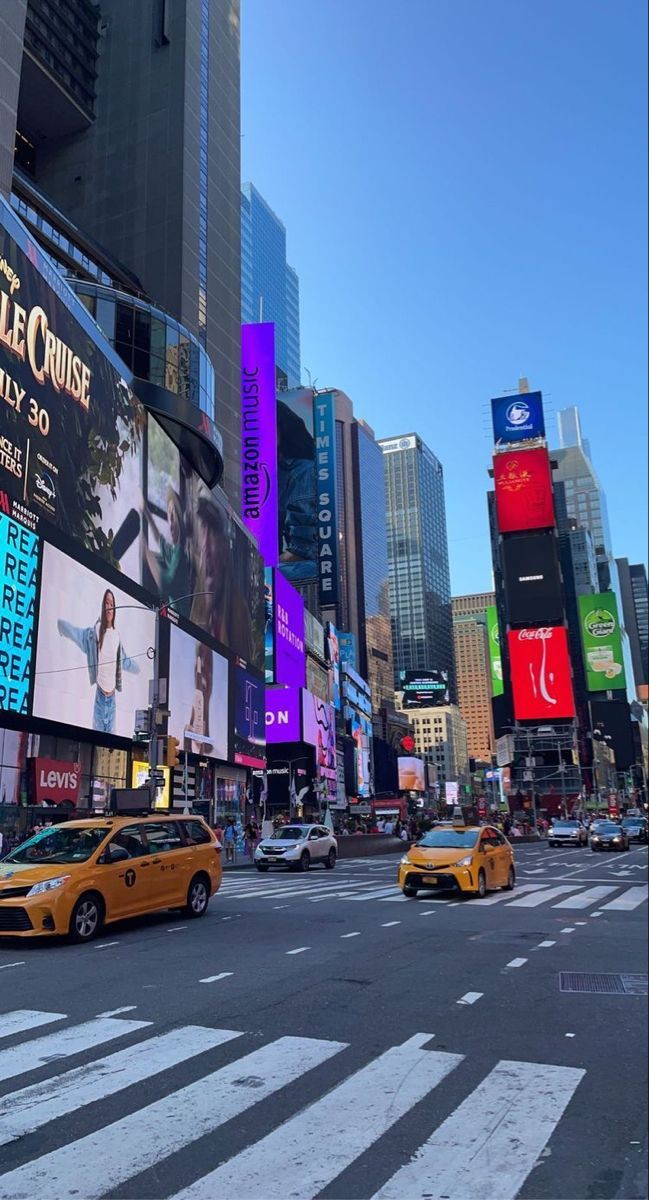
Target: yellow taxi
column 467, row 859
column 73, row 878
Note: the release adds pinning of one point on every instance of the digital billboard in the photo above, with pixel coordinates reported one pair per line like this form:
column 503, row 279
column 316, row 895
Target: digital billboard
column 495, row 658
column 425, row 689
column 332, row 649
column 361, row 732
column 198, row 696
column 612, row 725
column 78, row 450
column 298, row 557
column 348, row 650
column 324, row 406
column 283, row 715
column 517, row 418
column 249, row 718
column 290, row 663
column 319, row 730
column 540, row 672
column 411, row 774
column 259, row 438
column 532, row 580
column 18, row 577
column 523, row 484
column 93, row 654
column 601, row 640
column 269, row 631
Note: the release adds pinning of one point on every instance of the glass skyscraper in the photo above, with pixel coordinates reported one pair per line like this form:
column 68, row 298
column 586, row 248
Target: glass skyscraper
column 270, row 288
column 420, row 588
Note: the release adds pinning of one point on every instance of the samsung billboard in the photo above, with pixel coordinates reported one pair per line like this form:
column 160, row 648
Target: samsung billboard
column 532, row 579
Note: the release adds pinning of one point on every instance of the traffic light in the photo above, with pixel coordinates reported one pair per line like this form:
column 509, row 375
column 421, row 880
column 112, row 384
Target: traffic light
column 172, row 756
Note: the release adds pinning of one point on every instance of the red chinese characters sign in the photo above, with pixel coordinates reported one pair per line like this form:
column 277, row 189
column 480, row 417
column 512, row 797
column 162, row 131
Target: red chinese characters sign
column 523, row 490
column 540, row 671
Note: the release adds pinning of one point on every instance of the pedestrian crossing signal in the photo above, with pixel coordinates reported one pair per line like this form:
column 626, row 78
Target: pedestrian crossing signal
column 172, row 756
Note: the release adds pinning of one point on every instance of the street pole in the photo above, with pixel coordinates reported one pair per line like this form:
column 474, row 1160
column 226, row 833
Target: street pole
column 155, row 702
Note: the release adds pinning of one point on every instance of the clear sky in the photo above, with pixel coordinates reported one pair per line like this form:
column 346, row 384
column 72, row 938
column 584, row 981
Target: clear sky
column 463, row 184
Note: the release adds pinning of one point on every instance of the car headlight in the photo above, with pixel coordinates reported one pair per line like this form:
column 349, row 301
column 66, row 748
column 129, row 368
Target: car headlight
column 596, row 839
column 405, row 861
column 48, row 885
column 617, row 839
column 465, row 862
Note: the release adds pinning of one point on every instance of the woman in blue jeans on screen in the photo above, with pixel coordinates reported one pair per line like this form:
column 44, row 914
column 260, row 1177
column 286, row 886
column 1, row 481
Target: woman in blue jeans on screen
column 106, row 660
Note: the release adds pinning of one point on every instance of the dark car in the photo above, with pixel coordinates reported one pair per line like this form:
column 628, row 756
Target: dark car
column 609, row 837
column 635, row 828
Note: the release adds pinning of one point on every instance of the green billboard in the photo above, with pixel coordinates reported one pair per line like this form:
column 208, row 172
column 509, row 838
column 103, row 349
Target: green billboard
column 493, row 634
column 602, row 642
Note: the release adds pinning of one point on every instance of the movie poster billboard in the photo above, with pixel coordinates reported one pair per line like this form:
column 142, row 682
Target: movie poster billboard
column 541, row 676
column 495, row 658
column 198, row 696
column 517, row 418
column 601, row 640
column 259, row 438
column 298, row 556
column 18, row 578
column 249, row 718
column 523, row 485
column 79, row 453
column 94, row 649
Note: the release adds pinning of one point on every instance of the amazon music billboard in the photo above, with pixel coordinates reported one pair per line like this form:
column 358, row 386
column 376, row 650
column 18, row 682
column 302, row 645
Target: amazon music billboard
column 259, row 438
column 540, row 674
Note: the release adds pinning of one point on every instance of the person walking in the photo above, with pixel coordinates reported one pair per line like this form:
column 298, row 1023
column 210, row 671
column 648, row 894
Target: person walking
column 230, row 840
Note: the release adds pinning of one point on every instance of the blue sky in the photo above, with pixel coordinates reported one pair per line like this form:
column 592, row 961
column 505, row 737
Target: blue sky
column 463, row 184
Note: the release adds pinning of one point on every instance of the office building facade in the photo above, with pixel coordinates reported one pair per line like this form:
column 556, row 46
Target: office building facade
column 473, row 671
column 420, row 590
column 127, row 123
column 270, row 288
column 441, row 740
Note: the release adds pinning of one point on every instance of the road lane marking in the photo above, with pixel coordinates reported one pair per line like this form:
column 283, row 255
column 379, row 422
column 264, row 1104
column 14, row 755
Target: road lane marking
column 63, row 1043
column 470, row 997
column 176, row 928
column 115, row 1012
column 357, row 933
column 584, row 899
column 537, row 898
column 517, row 962
column 147, row 1137
column 429, row 912
column 388, row 924
column 630, row 899
column 23, row 1019
column 105, row 945
column 544, row 945
column 383, row 1091
column 215, row 978
column 300, row 950
column 568, row 929
column 500, row 897
column 29, row 1109
column 6, row 966
column 507, row 1120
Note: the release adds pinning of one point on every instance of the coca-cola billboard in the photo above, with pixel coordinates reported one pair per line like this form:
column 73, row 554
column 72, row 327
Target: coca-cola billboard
column 56, row 782
column 540, row 673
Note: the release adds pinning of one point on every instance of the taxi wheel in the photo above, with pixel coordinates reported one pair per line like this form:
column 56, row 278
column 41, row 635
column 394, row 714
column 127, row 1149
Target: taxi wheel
column 482, row 885
column 198, row 896
column 410, row 892
column 87, row 918
column 511, row 880
column 330, row 860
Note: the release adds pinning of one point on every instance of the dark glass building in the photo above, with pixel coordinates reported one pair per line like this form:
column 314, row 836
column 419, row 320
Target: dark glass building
column 420, row 587
column 270, row 289
column 635, row 607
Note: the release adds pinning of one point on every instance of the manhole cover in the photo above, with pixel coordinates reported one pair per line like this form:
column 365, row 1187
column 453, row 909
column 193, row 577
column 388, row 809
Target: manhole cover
column 603, row 985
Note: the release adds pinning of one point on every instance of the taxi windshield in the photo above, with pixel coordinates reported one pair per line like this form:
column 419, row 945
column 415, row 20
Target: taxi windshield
column 60, row 844
column 449, row 839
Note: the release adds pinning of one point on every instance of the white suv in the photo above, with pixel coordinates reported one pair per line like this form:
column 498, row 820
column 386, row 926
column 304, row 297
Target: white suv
column 296, row 847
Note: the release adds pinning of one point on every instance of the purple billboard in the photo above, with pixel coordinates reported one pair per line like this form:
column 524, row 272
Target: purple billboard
column 259, row 496
column 288, row 625
column 282, row 715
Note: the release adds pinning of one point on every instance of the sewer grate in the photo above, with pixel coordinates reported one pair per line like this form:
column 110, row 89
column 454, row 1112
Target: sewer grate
column 603, row 985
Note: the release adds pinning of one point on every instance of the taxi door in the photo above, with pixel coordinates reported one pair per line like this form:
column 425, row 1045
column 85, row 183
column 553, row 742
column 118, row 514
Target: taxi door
column 503, row 851
column 170, row 863
column 490, row 858
column 126, row 884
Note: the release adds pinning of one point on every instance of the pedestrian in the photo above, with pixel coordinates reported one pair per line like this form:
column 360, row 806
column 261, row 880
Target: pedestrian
column 230, row 838
column 218, row 829
column 249, row 839
column 404, row 834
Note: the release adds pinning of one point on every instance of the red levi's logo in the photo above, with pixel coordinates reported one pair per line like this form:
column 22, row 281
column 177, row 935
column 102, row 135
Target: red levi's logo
column 56, row 781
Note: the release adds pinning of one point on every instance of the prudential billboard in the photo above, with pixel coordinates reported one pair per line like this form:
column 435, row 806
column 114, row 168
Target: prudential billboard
column 517, row 418
column 602, row 643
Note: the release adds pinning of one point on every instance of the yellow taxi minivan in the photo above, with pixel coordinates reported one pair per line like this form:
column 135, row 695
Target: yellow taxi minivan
column 466, row 859
column 75, row 877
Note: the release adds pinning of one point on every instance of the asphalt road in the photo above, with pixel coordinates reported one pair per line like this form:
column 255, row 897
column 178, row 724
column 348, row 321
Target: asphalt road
column 319, row 1035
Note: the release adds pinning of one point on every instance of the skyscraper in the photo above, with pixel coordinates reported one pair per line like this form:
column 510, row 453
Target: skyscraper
column 635, row 607
column 127, row 120
column 473, row 671
column 420, row 589
column 270, row 288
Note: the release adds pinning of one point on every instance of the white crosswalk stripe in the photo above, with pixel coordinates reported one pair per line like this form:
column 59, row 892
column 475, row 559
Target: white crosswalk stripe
column 631, row 898
column 26, row 1018
column 64, row 1043
column 585, row 899
column 509, row 1117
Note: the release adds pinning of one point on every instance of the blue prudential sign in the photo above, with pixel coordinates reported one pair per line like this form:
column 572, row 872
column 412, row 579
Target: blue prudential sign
column 517, row 418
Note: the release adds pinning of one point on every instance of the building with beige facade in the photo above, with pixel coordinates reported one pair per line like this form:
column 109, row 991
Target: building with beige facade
column 473, row 673
column 440, row 735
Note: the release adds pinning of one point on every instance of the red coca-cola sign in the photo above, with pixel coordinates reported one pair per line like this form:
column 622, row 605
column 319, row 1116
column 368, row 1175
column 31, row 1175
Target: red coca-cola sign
column 408, row 744
column 523, row 490
column 56, row 782
column 540, row 670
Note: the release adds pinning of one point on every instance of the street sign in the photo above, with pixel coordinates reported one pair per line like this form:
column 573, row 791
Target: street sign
column 170, row 613
column 142, row 717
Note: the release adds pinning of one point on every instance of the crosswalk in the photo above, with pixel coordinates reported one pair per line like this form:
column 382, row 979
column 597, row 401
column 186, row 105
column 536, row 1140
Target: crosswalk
column 511, row 1114
column 381, row 888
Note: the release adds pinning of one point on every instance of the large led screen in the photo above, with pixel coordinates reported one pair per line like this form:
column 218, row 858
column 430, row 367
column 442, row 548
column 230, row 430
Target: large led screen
column 495, row 656
column 540, row 672
column 259, row 437
column 298, row 557
column 198, row 696
column 425, row 689
column 94, row 649
column 601, row 642
column 517, row 418
column 283, row 716
column 324, row 406
column 18, row 572
column 523, row 490
column 532, row 580
column 319, row 730
column 411, row 775
column 288, row 623
column 333, row 658
column 249, row 718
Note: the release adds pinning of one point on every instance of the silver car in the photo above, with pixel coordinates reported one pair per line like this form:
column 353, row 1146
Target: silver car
column 297, row 847
column 567, row 833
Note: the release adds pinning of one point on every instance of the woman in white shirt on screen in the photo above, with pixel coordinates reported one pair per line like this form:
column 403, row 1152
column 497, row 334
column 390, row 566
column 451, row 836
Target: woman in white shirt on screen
column 106, row 659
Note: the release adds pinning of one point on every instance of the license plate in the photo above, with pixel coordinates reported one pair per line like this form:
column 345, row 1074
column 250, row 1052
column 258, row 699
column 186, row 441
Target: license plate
column 430, row 879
